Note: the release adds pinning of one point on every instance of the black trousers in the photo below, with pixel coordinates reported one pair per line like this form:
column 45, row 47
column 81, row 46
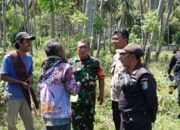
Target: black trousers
column 116, row 115
column 135, row 126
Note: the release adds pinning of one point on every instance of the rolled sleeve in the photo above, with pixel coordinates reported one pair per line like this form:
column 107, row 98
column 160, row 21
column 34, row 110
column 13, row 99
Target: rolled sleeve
column 5, row 65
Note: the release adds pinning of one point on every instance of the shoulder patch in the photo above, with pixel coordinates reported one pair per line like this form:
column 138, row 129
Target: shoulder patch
column 144, row 79
column 144, row 85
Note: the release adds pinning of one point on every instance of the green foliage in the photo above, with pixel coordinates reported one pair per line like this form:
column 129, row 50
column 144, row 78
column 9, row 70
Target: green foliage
column 48, row 5
column 78, row 18
column 110, row 6
column 12, row 24
column 106, row 59
column 161, row 41
column 177, row 38
column 98, row 23
column 167, row 97
column 61, row 6
column 151, row 22
column 133, row 38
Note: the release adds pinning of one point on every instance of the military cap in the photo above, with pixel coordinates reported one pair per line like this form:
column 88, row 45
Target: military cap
column 134, row 49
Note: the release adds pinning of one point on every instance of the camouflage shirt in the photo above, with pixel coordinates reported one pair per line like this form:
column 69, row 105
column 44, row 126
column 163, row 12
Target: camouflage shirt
column 86, row 72
column 116, row 69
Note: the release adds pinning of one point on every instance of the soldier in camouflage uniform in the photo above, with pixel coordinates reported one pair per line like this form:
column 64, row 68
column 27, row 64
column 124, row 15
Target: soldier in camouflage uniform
column 86, row 70
column 120, row 40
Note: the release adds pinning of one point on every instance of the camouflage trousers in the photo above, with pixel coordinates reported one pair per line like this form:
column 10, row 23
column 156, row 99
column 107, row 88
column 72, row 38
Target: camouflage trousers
column 82, row 116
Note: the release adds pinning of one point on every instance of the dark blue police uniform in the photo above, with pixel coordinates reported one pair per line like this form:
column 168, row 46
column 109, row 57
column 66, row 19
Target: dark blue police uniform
column 138, row 101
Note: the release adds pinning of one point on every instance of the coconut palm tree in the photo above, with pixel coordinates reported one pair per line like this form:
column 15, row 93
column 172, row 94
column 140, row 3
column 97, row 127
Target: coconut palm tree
column 4, row 3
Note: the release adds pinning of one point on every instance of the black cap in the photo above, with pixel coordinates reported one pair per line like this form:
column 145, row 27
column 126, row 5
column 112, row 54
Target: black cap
column 24, row 35
column 134, row 49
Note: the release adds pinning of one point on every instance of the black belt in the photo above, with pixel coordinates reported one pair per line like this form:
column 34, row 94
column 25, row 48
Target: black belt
column 135, row 115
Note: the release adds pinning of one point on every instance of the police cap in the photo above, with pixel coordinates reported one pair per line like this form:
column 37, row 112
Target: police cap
column 134, row 49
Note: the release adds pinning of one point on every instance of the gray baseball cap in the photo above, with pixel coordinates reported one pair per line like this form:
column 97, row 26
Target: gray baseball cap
column 134, row 49
column 24, row 35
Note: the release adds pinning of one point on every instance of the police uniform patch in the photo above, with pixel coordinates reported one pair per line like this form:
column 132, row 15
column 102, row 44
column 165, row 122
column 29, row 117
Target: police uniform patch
column 144, row 85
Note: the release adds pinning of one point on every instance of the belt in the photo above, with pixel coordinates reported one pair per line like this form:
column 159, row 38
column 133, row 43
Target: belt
column 135, row 116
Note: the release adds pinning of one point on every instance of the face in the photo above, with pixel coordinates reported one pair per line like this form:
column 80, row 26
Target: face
column 118, row 41
column 83, row 50
column 61, row 53
column 126, row 59
column 26, row 45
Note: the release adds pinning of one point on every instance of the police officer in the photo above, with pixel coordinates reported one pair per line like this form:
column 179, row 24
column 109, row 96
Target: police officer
column 138, row 99
column 119, row 40
column 175, row 65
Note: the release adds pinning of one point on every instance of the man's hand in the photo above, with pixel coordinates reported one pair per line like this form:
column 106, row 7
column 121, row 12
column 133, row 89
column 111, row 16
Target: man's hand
column 100, row 98
column 30, row 79
column 25, row 85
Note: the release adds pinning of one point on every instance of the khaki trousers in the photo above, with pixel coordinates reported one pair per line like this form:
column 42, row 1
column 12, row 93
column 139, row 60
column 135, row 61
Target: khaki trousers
column 19, row 106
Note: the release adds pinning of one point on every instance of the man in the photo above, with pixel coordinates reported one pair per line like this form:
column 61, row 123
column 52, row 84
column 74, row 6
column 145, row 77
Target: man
column 120, row 40
column 175, row 65
column 86, row 70
column 16, row 70
column 55, row 85
column 138, row 99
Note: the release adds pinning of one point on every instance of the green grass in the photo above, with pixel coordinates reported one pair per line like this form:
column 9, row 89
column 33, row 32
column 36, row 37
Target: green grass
column 168, row 107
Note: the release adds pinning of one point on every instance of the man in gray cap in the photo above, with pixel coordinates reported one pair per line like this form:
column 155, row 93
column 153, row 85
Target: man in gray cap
column 16, row 70
column 120, row 40
column 138, row 99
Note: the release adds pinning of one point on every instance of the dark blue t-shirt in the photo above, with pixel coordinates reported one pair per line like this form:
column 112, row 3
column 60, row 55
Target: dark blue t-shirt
column 7, row 68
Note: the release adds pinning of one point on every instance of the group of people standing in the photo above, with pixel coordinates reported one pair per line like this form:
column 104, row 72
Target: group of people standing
column 59, row 78
column 133, row 87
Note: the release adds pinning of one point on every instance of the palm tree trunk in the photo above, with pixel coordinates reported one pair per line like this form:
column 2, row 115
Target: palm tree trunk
column 155, row 34
column 110, row 32
column 170, row 5
column 1, row 31
column 158, row 51
column 160, row 13
column 52, row 25
column 88, row 26
column 40, row 26
column 156, row 4
column 163, row 27
column 4, row 24
column 98, row 45
column 142, row 18
column 84, row 6
column 15, row 14
column 26, row 16
column 34, row 14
